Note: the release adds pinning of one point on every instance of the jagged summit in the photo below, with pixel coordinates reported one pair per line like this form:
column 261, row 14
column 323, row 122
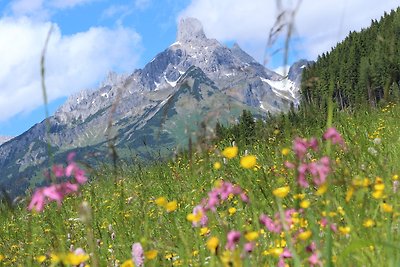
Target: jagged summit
column 190, row 29
column 196, row 79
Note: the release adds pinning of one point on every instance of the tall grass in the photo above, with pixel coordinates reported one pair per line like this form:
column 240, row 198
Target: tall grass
column 360, row 207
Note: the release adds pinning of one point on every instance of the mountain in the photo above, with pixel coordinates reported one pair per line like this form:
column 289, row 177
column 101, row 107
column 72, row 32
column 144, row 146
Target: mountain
column 176, row 98
column 4, row 139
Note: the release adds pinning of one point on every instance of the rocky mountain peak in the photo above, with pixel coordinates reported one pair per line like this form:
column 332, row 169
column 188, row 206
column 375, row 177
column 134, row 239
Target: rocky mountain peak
column 4, row 139
column 296, row 70
column 190, row 29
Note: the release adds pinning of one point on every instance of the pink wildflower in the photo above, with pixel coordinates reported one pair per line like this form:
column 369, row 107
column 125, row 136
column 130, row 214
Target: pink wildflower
column 58, row 171
column 137, row 254
column 221, row 193
column 312, row 247
column 276, row 225
column 333, row 135
column 301, row 178
column 300, row 146
column 38, row 201
column 67, row 188
column 290, row 165
column 249, row 247
column 233, row 238
column 55, row 192
column 314, row 260
column 285, row 254
column 79, row 174
column 334, row 227
column 320, row 170
column 71, row 156
column 323, row 222
column 272, row 226
column 204, row 219
column 244, row 197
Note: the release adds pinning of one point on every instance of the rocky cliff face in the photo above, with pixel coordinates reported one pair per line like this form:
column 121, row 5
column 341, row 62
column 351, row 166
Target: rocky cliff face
column 188, row 84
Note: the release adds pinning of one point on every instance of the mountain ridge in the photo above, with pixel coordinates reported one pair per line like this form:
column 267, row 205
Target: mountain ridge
column 190, row 83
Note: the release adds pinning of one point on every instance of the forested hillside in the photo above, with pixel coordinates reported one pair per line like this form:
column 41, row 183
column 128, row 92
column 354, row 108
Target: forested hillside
column 363, row 69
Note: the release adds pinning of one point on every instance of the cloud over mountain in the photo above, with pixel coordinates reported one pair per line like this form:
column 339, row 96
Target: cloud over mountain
column 73, row 62
column 319, row 25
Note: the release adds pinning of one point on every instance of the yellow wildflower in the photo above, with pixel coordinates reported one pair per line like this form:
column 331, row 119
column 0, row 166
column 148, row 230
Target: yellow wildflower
column 217, row 165
column 386, row 208
column 39, row 259
column 204, row 231
column 275, row 251
column 231, row 259
column 368, row 223
column 151, row 254
column 366, row 182
column 230, row 152
column 322, row 189
column 379, row 187
column 349, row 193
column 285, row 151
column 1, row 258
column 341, row 211
column 251, row 236
column 128, row 263
column 344, row 230
column 212, row 244
column 281, row 192
column 161, row 201
column 194, row 217
column 377, row 194
column 305, row 203
column 232, row 211
column 74, row 259
column 299, row 196
column 305, row 235
column 248, row 162
column 171, row 206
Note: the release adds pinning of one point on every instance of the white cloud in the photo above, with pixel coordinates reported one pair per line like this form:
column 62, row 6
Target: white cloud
column 73, row 62
column 282, row 70
column 68, row 3
column 42, row 9
column 28, row 7
column 319, row 24
column 114, row 10
column 142, row 4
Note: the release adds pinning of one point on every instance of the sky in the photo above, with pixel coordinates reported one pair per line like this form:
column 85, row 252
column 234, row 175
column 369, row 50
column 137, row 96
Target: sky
column 90, row 38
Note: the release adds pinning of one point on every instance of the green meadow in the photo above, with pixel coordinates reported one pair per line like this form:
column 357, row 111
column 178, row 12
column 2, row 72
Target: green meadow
column 252, row 208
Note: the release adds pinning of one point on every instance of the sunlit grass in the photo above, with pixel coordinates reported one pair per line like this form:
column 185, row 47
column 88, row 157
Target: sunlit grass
column 250, row 211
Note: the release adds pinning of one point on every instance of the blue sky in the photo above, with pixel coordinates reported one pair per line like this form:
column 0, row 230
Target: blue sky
column 92, row 37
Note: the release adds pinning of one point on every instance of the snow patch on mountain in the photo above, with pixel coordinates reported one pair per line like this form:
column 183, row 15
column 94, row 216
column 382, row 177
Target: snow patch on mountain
column 284, row 88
